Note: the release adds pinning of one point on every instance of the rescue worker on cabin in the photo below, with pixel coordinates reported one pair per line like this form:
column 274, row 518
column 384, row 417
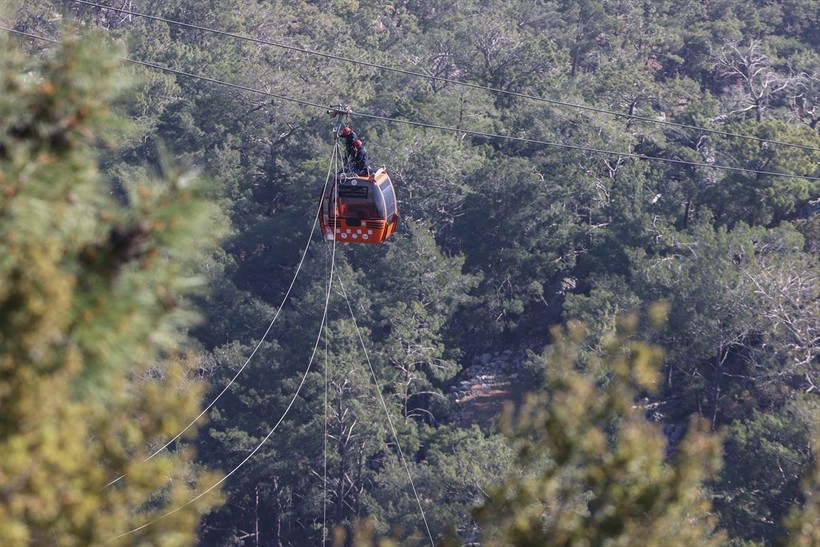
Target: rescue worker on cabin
column 349, row 137
column 360, row 160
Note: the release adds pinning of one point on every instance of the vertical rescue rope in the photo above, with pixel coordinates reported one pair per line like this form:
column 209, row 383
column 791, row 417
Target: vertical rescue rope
column 386, row 411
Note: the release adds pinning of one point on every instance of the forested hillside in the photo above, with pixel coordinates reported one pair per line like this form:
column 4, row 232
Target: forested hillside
column 609, row 225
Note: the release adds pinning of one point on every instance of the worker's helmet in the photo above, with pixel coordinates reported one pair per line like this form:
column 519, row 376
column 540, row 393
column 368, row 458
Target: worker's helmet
column 346, row 131
column 357, row 143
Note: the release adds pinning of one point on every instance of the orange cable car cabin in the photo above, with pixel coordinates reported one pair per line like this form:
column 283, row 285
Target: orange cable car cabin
column 359, row 208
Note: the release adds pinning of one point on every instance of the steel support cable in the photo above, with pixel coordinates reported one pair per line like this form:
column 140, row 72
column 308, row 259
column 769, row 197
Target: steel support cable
column 272, row 430
column 582, row 148
column 443, row 79
column 452, row 129
column 386, row 410
column 332, row 256
column 183, row 73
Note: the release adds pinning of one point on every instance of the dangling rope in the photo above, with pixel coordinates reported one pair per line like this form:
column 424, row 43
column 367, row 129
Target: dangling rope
column 324, row 432
column 284, row 414
column 386, row 411
column 248, row 360
column 258, row 446
column 332, row 255
column 337, row 154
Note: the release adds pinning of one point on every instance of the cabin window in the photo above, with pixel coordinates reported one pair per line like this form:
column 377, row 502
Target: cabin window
column 352, row 193
column 389, row 200
column 356, row 203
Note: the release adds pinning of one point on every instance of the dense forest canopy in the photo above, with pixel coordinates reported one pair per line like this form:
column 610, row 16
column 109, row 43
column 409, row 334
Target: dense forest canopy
column 609, row 225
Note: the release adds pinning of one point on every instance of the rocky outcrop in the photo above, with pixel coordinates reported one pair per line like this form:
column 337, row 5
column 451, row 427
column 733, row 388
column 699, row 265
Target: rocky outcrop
column 482, row 389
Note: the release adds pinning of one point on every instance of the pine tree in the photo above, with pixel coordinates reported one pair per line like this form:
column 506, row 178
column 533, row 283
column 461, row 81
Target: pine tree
column 92, row 305
column 594, row 471
column 803, row 521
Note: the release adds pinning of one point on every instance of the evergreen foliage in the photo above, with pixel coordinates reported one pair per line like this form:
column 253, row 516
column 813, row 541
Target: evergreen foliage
column 94, row 367
column 612, row 194
column 776, row 447
column 592, row 470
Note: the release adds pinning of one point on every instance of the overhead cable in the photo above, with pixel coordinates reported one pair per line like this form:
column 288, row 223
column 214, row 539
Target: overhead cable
column 443, row 79
column 450, row 129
